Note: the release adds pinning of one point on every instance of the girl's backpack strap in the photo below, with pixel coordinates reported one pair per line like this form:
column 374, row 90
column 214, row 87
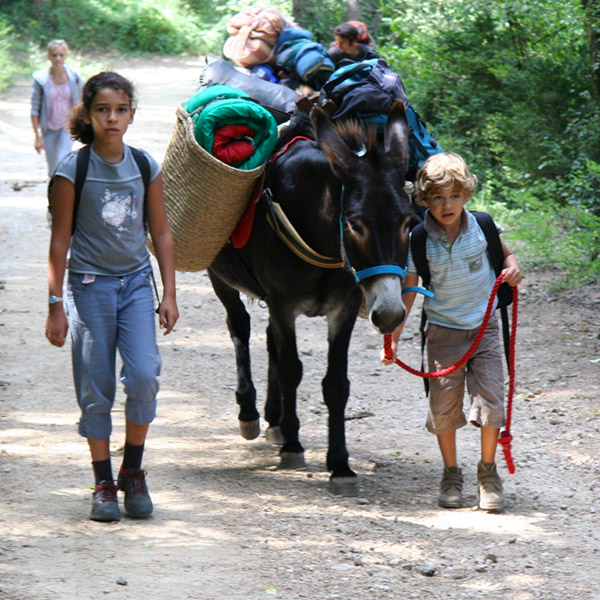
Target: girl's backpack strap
column 144, row 167
column 83, row 161
column 81, row 168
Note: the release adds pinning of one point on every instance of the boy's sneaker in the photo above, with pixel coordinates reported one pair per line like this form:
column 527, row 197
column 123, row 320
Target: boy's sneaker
column 138, row 504
column 105, row 506
column 491, row 494
column 451, row 488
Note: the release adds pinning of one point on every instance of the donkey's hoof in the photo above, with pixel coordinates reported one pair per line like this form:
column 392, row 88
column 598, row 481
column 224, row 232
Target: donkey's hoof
column 292, row 461
column 250, row 430
column 344, row 486
column 274, row 436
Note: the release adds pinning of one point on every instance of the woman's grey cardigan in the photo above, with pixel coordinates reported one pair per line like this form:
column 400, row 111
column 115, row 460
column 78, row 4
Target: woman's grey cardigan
column 40, row 96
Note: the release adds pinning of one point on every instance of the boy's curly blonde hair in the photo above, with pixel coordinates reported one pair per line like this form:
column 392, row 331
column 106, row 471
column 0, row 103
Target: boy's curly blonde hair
column 444, row 170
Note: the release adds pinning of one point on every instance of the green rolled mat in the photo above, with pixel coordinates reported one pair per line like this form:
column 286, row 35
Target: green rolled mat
column 220, row 105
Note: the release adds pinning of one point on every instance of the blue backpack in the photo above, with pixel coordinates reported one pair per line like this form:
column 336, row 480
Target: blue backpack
column 295, row 52
column 367, row 90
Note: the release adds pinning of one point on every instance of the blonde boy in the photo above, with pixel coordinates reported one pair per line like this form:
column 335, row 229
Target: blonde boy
column 462, row 278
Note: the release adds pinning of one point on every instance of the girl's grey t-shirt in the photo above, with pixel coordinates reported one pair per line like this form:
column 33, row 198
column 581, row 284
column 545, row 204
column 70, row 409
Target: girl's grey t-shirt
column 109, row 237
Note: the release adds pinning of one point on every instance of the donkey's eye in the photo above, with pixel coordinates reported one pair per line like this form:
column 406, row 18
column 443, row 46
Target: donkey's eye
column 356, row 228
column 406, row 227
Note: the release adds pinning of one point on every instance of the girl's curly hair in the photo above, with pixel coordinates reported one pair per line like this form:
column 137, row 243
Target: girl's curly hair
column 82, row 131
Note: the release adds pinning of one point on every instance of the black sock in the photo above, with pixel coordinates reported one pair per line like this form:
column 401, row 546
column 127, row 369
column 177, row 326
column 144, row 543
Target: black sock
column 103, row 470
column 132, row 456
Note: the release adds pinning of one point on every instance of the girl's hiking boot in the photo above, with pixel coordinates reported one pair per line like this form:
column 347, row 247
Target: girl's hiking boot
column 451, row 488
column 491, row 494
column 105, row 506
column 138, row 504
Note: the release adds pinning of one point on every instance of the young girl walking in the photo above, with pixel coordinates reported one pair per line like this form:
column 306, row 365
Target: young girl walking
column 108, row 302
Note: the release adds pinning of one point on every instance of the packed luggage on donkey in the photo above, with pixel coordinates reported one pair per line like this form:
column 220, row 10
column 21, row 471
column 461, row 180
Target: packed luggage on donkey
column 249, row 106
column 349, row 79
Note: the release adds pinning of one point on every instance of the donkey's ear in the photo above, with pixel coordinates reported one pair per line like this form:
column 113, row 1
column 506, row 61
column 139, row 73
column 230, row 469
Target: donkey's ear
column 396, row 136
column 339, row 155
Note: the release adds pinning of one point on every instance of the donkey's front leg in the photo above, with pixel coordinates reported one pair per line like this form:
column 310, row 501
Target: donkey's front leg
column 336, row 389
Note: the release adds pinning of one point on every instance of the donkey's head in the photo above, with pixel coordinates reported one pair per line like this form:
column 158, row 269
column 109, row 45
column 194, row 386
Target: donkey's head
column 375, row 211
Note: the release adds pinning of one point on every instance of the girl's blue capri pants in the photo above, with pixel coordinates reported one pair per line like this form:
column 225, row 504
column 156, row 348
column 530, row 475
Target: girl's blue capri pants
column 105, row 314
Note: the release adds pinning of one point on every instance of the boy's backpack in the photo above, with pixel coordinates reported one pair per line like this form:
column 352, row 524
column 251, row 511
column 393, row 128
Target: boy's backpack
column 367, row 90
column 418, row 241
column 83, row 160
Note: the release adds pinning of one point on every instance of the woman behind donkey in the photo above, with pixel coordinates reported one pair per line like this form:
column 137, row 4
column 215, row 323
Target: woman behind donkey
column 55, row 90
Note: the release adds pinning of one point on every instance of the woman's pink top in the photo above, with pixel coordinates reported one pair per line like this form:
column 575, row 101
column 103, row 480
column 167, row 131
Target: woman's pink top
column 60, row 105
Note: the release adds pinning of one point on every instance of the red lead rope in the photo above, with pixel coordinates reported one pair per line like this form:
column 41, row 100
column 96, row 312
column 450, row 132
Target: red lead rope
column 505, row 436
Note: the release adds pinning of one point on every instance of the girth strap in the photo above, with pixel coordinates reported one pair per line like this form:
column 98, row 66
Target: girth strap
column 286, row 232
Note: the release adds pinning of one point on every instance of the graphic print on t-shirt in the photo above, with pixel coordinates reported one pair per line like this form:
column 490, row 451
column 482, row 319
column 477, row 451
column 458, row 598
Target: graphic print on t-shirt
column 474, row 263
column 118, row 209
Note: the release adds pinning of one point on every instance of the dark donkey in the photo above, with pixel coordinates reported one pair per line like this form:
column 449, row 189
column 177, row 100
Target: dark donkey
column 341, row 182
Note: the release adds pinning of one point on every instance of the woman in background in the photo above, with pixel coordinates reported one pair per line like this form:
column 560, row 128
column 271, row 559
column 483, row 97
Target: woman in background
column 55, row 90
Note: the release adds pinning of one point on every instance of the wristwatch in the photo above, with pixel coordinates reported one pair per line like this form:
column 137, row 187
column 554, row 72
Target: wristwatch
column 54, row 300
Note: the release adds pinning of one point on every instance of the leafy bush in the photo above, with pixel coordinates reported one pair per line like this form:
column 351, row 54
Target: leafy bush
column 5, row 53
column 566, row 238
column 136, row 26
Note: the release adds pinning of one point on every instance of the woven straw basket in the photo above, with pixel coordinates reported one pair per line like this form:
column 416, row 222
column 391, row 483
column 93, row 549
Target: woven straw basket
column 205, row 198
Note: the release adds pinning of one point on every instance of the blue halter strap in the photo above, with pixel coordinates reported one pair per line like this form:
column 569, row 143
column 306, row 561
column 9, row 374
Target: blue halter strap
column 418, row 290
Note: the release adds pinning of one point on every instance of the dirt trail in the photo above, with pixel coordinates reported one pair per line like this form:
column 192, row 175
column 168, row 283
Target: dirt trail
column 227, row 524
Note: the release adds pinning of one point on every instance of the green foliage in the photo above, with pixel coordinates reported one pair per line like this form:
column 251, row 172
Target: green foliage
column 509, row 85
column 512, row 85
column 564, row 238
column 321, row 17
column 133, row 26
column 5, row 53
column 500, row 81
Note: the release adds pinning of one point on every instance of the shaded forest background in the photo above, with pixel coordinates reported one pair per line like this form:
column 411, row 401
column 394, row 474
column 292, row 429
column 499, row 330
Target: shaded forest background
column 514, row 86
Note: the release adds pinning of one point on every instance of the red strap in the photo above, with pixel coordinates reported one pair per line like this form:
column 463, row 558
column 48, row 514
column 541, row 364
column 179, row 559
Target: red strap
column 242, row 232
column 505, row 436
column 286, row 147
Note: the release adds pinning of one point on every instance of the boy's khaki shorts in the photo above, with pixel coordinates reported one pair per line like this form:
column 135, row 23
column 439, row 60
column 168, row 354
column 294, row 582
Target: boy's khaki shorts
column 483, row 373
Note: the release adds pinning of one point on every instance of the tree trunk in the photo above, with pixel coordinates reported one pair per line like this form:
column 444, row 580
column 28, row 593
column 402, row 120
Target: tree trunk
column 301, row 8
column 592, row 11
column 353, row 10
column 368, row 11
